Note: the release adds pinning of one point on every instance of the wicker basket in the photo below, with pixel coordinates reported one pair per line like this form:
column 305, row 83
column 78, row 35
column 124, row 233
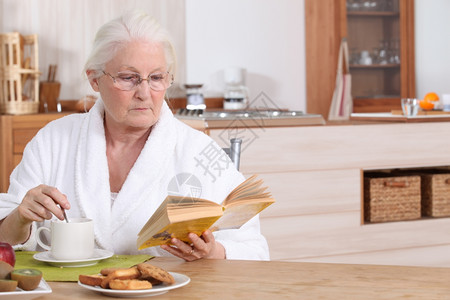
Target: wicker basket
column 391, row 198
column 436, row 194
column 19, row 74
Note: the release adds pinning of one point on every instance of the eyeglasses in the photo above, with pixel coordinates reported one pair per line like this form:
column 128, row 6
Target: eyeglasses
column 126, row 81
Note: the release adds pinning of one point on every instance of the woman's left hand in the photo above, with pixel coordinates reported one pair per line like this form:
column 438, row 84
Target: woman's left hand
column 201, row 247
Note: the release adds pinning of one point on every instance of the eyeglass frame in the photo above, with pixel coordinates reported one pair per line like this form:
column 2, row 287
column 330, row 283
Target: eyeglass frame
column 141, row 79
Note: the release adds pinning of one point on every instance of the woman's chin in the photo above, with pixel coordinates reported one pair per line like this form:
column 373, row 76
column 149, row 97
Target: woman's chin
column 143, row 122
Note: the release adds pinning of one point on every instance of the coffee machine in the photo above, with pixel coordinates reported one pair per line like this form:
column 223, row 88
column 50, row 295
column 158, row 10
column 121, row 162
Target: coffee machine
column 194, row 97
column 236, row 93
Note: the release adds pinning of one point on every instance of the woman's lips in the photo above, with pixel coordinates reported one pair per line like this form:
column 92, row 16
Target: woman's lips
column 141, row 108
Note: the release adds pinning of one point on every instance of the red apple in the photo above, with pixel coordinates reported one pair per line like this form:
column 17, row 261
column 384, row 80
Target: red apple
column 7, row 254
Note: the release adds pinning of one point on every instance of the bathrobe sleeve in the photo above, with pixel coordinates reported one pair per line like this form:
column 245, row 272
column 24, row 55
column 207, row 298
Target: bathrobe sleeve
column 244, row 243
column 45, row 161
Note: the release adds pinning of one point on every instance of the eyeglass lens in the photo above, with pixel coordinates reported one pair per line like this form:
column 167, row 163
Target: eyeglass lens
column 127, row 81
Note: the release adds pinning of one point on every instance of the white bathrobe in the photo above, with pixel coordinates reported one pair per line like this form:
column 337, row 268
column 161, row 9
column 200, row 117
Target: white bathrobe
column 70, row 154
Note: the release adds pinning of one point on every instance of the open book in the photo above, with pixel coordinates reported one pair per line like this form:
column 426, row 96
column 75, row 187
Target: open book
column 177, row 215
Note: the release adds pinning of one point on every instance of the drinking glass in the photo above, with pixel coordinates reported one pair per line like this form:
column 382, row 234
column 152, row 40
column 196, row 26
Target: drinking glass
column 410, row 107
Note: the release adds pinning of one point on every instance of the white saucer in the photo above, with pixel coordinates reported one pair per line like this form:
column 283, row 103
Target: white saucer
column 99, row 254
column 180, row 280
column 19, row 294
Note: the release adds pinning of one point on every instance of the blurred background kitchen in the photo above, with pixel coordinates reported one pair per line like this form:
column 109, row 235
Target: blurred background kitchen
column 264, row 37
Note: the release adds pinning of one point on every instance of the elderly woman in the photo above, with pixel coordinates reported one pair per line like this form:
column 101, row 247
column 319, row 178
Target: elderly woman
column 117, row 163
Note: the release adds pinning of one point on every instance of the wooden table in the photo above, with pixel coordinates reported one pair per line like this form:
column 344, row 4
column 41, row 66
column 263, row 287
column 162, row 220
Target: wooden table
column 222, row 279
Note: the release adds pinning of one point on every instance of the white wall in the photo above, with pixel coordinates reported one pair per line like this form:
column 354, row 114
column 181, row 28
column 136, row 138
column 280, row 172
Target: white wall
column 432, row 25
column 66, row 30
column 266, row 37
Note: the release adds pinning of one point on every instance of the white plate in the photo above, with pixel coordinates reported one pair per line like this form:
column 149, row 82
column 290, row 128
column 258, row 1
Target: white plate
column 43, row 288
column 99, row 254
column 180, row 280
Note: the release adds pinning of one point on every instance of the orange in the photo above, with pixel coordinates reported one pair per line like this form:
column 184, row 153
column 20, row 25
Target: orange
column 431, row 97
column 426, row 105
column 428, row 101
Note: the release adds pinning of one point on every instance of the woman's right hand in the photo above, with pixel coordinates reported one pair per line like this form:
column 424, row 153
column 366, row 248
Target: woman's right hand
column 41, row 202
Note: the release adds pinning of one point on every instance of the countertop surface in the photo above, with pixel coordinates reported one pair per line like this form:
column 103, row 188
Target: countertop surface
column 247, row 118
column 399, row 117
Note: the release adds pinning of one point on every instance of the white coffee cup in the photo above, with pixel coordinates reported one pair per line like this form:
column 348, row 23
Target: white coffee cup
column 446, row 102
column 69, row 241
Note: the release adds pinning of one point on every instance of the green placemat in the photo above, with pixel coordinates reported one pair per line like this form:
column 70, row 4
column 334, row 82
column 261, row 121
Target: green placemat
column 25, row 260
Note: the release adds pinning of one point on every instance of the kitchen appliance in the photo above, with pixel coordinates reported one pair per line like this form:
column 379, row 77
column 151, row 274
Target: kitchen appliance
column 236, row 93
column 194, row 97
column 248, row 118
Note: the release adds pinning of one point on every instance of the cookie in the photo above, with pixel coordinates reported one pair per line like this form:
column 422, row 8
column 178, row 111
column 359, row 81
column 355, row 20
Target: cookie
column 150, row 271
column 107, row 271
column 153, row 281
column 129, row 284
column 124, row 274
column 92, row 280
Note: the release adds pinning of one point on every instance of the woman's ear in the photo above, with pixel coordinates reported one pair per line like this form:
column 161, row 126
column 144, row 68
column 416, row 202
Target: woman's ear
column 92, row 80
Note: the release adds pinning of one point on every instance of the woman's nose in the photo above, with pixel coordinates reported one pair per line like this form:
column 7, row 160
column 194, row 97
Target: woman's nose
column 143, row 89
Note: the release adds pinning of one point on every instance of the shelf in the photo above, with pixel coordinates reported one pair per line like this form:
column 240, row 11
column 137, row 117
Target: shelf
column 378, row 87
column 375, row 66
column 372, row 13
column 404, row 194
column 375, row 104
column 378, row 97
column 328, row 22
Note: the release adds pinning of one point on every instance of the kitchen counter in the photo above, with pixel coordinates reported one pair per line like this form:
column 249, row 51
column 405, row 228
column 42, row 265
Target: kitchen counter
column 223, row 119
column 315, row 173
column 399, row 117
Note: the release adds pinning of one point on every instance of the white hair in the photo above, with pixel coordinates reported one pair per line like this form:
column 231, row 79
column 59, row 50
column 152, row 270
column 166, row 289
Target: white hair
column 132, row 26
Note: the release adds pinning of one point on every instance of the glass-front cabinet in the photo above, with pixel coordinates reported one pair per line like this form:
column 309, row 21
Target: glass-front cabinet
column 380, row 35
column 379, row 38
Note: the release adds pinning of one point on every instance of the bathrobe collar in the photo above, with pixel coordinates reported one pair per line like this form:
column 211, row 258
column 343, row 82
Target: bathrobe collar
column 92, row 189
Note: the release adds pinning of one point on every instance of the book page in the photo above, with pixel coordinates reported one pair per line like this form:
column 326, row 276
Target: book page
column 176, row 217
column 249, row 189
column 179, row 230
column 237, row 215
column 248, row 184
column 160, row 213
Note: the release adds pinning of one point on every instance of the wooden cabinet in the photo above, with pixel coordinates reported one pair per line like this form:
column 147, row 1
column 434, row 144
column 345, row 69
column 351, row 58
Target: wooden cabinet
column 15, row 133
column 383, row 32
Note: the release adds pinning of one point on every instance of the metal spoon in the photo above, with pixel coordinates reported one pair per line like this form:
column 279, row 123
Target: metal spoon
column 65, row 216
